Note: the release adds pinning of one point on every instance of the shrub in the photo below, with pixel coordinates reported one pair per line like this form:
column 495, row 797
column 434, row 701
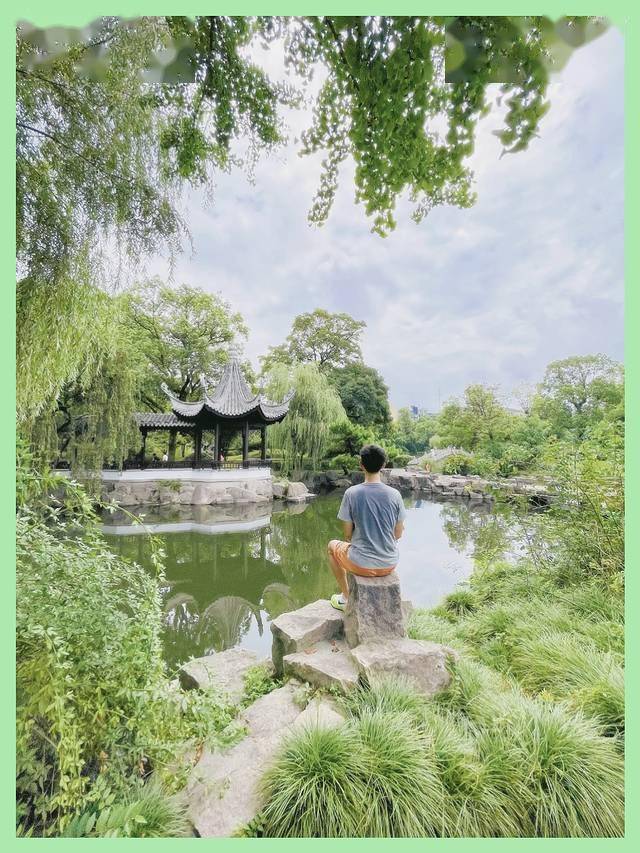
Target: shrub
column 258, row 681
column 147, row 813
column 345, row 462
column 457, row 463
column 94, row 709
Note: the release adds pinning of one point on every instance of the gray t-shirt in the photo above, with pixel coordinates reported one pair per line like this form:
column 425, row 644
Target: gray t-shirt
column 374, row 509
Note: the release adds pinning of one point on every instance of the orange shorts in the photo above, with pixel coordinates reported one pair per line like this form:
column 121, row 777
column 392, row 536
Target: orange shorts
column 340, row 553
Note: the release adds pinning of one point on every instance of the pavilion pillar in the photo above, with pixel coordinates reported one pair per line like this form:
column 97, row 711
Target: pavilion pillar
column 245, row 441
column 263, row 443
column 198, row 449
column 216, row 453
column 144, row 447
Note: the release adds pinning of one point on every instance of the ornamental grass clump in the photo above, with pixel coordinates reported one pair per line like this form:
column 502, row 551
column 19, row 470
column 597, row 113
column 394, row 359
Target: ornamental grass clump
column 574, row 776
column 317, row 786
column 571, row 667
column 387, row 694
column 480, row 797
column 405, row 797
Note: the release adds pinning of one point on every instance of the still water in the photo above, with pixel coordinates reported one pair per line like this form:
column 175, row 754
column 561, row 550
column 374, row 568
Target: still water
column 231, row 570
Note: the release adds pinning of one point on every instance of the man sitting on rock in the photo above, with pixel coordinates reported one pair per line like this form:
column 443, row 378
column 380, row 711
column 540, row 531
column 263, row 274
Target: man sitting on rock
column 373, row 519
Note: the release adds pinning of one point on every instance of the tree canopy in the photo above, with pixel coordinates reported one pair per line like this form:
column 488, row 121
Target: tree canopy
column 182, row 333
column 364, row 395
column 319, row 337
column 576, row 391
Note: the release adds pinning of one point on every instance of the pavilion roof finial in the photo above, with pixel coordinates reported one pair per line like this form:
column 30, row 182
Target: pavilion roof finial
column 235, row 350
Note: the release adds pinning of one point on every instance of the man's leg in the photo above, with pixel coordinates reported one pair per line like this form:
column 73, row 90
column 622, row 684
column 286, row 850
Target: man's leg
column 339, row 573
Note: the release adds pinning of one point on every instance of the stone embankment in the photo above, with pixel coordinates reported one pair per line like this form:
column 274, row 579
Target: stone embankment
column 438, row 486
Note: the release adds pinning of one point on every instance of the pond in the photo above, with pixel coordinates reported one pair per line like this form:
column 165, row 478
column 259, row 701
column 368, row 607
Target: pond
column 231, row 570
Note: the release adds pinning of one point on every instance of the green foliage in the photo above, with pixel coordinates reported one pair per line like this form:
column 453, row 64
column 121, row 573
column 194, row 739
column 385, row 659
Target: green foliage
column 95, row 710
column 331, row 341
column 363, row 393
column 347, row 439
column 344, row 462
column 78, row 373
column 479, row 760
column 411, row 433
column 147, row 813
column 314, row 409
column 577, row 392
column 457, row 463
column 258, row 681
column 586, row 523
column 181, row 333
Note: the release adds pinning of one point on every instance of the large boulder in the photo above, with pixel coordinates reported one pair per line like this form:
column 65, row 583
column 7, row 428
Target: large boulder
column 300, row 629
column 421, row 662
column 223, row 670
column 297, row 492
column 325, row 664
column 279, row 490
column 374, row 610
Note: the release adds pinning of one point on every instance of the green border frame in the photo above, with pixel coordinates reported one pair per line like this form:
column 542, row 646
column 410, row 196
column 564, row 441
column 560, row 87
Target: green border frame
column 626, row 16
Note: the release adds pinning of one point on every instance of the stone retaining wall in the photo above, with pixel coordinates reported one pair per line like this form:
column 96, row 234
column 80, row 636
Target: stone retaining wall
column 444, row 486
column 195, row 492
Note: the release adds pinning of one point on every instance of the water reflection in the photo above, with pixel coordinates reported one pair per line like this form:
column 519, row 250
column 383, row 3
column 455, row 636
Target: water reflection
column 231, row 570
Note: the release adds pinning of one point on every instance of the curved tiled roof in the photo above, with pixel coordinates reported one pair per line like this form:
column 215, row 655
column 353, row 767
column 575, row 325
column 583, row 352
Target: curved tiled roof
column 231, row 398
column 160, row 420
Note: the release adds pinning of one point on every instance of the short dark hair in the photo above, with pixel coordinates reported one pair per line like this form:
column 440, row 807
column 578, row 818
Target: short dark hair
column 373, row 458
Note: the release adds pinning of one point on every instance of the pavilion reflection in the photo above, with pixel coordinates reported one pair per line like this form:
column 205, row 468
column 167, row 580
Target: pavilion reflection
column 216, row 587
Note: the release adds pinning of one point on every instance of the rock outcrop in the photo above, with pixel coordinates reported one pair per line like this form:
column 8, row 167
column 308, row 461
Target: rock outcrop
column 325, row 648
column 223, row 790
column 223, row 671
column 324, row 664
column 374, row 609
column 421, row 662
column 298, row 630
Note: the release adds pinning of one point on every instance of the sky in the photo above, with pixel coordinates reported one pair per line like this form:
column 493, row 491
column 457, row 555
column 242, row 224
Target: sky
column 532, row 273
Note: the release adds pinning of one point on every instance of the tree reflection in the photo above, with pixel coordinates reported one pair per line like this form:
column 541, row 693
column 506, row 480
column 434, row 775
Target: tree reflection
column 486, row 533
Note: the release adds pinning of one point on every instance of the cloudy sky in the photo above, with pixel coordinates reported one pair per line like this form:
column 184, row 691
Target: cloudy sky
column 532, row 273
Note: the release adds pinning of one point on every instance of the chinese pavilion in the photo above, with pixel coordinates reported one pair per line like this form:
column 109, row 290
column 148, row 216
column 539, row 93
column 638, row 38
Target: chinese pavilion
column 224, row 411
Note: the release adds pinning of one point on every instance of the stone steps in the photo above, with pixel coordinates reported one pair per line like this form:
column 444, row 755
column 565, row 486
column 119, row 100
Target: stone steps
column 300, row 629
column 223, row 789
column 324, row 664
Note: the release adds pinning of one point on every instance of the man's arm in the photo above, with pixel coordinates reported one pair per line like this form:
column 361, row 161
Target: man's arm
column 398, row 530
column 347, row 526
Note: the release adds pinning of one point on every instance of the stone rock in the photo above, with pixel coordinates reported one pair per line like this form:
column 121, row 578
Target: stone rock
column 222, row 670
column 222, row 792
column 279, row 490
column 407, row 609
column 374, row 609
column 300, row 629
column 322, row 712
column 422, row 662
column 326, row 664
column 342, row 483
column 201, row 495
column 297, row 490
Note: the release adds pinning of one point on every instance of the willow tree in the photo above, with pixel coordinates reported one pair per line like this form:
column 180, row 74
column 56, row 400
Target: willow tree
column 303, row 435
